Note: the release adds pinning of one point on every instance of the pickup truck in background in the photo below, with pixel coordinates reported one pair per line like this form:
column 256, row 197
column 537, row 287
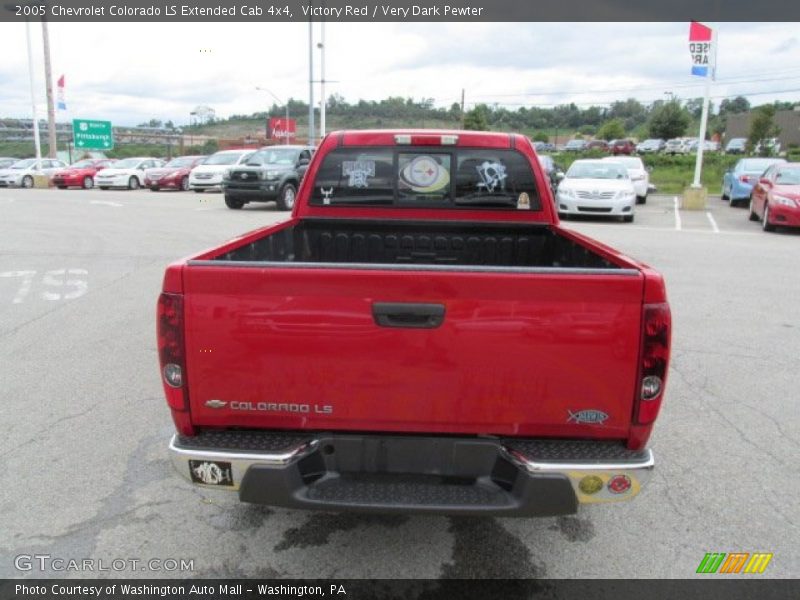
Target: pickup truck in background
column 420, row 336
column 272, row 173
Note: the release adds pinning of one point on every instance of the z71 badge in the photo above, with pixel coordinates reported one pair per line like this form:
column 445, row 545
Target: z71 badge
column 590, row 417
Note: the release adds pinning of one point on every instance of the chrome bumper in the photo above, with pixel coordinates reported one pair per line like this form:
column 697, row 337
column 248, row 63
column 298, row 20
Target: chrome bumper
column 536, row 476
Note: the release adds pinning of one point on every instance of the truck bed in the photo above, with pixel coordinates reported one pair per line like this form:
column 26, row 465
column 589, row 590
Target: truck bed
column 350, row 242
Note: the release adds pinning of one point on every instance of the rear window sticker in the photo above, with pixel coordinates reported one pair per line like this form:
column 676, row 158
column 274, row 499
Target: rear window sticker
column 358, row 172
column 424, row 175
column 524, row 201
column 492, row 174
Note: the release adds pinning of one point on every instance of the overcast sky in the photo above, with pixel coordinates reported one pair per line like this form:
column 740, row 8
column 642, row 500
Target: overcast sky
column 131, row 72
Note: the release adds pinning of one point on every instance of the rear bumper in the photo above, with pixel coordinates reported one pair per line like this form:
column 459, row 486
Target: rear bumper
column 412, row 474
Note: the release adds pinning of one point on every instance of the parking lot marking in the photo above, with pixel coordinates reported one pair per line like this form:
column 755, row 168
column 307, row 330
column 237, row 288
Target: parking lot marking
column 712, row 221
column 62, row 279
column 677, row 213
column 59, row 278
column 25, row 287
column 105, row 203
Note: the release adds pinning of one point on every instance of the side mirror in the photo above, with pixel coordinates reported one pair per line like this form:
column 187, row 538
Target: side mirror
column 303, row 162
column 560, row 175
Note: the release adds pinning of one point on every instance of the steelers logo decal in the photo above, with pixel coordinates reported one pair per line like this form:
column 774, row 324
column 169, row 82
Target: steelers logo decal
column 424, row 174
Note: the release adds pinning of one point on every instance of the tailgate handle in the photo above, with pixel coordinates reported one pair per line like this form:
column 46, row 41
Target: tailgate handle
column 406, row 314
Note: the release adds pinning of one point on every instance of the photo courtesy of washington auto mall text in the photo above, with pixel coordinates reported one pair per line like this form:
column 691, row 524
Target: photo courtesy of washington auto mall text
column 396, row 299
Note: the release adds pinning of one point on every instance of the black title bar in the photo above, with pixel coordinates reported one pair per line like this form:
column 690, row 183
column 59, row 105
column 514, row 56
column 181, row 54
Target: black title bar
column 241, row 11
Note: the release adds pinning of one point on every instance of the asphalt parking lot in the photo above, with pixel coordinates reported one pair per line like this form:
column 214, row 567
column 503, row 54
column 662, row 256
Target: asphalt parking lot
column 83, row 458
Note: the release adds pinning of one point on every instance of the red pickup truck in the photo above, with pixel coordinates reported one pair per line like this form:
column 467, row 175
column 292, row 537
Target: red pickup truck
column 420, row 336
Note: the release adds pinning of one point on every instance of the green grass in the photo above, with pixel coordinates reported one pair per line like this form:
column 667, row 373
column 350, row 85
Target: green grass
column 671, row 174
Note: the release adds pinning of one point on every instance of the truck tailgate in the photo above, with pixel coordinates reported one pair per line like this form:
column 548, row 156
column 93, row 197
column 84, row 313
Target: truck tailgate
column 529, row 354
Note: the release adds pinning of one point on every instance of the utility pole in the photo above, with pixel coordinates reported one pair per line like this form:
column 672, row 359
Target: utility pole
column 51, row 108
column 322, row 80
column 310, row 82
column 33, row 101
column 462, row 108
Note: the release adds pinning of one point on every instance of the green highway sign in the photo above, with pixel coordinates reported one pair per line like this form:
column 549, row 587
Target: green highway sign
column 92, row 135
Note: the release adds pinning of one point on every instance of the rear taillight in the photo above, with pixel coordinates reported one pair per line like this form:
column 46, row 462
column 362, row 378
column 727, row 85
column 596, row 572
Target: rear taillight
column 744, row 178
column 654, row 362
column 171, row 351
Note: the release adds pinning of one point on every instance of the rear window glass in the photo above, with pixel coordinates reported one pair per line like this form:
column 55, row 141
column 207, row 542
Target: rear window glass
column 426, row 178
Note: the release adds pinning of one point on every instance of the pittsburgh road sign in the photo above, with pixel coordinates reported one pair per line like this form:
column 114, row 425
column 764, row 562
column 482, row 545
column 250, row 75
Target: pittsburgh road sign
column 92, row 135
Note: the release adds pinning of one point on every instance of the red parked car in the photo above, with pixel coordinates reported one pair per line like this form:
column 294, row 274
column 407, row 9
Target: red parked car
column 626, row 147
column 174, row 175
column 80, row 174
column 775, row 200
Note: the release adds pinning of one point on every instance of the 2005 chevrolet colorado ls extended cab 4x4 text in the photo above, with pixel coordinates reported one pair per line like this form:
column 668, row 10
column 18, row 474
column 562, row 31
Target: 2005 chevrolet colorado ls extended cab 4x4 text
column 421, row 336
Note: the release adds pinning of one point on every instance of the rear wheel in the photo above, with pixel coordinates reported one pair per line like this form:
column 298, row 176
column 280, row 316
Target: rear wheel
column 287, row 197
column 628, row 218
column 154, row 188
column 753, row 215
column 133, row 183
column 765, row 225
column 27, row 181
column 62, row 187
column 88, row 183
column 233, row 203
column 185, row 184
column 641, row 199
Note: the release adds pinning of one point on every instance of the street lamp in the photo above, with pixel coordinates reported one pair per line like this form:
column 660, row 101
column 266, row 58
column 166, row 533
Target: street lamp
column 191, row 130
column 278, row 100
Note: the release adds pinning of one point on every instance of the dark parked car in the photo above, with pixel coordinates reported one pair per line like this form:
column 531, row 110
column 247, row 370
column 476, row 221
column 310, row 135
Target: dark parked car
column 554, row 171
column 736, row 146
column 597, row 145
column 272, row 173
column 575, row 146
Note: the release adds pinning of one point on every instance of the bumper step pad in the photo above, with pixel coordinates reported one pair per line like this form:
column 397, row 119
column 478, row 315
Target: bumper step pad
column 412, row 474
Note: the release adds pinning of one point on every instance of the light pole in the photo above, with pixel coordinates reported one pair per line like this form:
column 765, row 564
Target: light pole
column 310, row 83
column 286, row 127
column 33, row 101
column 321, row 46
column 191, row 131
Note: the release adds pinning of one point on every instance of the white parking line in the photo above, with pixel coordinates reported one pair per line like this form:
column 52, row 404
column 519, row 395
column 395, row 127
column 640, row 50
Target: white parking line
column 105, row 203
column 712, row 221
column 677, row 213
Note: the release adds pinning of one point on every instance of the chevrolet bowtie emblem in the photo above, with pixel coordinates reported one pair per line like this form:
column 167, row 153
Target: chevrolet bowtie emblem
column 216, row 403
